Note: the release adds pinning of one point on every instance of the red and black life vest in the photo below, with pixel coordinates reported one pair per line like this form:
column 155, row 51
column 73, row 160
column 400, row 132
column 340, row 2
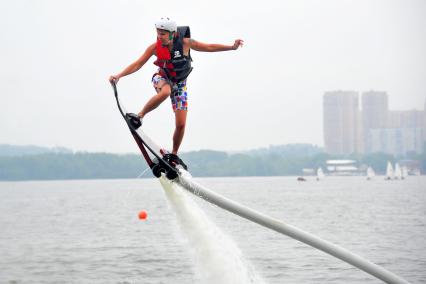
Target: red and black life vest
column 174, row 65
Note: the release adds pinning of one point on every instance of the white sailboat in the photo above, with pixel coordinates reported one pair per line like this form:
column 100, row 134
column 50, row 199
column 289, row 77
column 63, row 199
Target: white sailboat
column 398, row 172
column 320, row 174
column 389, row 172
column 370, row 173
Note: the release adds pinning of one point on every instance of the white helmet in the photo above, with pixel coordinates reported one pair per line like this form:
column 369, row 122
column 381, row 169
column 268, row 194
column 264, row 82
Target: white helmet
column 165, row 23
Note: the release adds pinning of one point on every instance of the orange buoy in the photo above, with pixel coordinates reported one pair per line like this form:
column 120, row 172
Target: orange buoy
column 142, row 215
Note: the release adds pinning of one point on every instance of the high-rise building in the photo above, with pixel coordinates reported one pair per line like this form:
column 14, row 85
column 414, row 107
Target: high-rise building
column 396, row 141
column 409, row 125
column 424, row 128
column 375, row 114
column 406, row 119
column 341, row 122
column 374, row 129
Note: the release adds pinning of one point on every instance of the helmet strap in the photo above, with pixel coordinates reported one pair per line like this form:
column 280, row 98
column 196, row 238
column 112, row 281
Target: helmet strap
column 171, row 35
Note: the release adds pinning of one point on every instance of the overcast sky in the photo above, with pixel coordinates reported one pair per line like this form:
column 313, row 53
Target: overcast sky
column 56, row 57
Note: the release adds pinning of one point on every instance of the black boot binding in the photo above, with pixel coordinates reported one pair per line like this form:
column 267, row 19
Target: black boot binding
column 134, row 120
column 174, row 160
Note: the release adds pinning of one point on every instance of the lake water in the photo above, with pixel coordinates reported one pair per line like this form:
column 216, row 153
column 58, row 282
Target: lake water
column 87, row 231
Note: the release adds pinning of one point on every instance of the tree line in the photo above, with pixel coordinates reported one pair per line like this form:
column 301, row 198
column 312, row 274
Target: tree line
column 205, row 163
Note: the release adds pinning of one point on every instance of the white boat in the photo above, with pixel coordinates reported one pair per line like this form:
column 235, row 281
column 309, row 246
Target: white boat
column 389, row 172
column 320, row 174
column 398, row 172
column 370, row 173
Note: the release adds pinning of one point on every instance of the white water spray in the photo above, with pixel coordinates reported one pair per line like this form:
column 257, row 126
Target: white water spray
column 217, row 258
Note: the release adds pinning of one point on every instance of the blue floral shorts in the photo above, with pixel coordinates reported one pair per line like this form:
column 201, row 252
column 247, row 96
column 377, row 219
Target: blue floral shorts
column 179, row 95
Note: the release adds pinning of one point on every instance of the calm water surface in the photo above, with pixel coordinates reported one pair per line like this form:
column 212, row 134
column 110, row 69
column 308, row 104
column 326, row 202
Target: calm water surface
column 88, row 231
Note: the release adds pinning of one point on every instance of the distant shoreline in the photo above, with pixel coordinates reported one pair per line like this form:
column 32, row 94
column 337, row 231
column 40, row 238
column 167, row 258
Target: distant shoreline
column 285, row 160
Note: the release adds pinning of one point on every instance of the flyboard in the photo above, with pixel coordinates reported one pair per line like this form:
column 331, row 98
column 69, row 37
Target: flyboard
column 154, row 156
